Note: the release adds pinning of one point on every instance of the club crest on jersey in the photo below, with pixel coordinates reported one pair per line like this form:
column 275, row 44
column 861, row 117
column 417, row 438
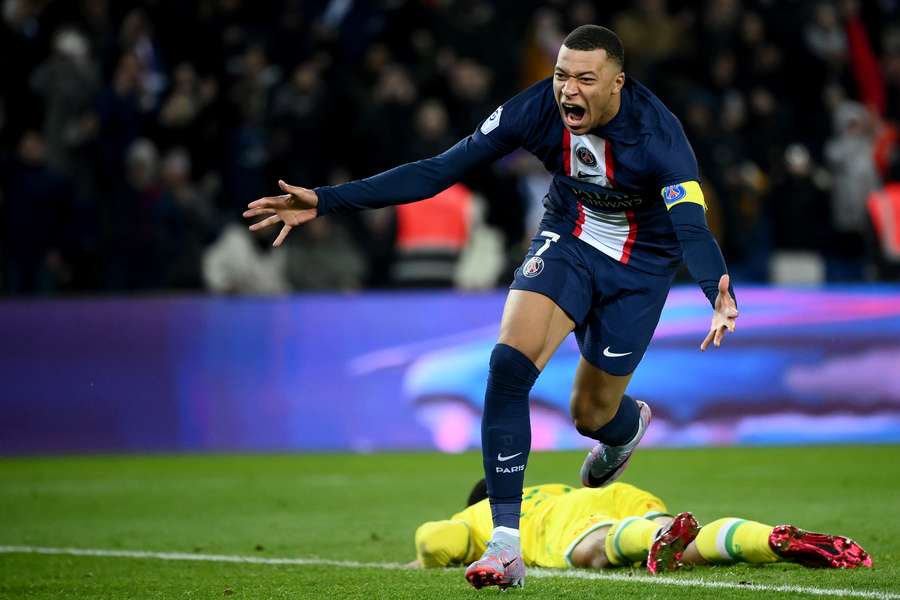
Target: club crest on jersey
column 533, row 266
column 673, row 193
column 492, row 121
column 586, row 157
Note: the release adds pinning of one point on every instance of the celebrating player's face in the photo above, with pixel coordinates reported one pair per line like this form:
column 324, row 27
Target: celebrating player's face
column 586, row 85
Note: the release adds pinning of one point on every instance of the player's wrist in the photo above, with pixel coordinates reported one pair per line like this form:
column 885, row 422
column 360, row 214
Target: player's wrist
column 322, row 202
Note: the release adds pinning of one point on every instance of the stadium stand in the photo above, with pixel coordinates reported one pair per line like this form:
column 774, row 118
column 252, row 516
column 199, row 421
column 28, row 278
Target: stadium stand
column 133, row 133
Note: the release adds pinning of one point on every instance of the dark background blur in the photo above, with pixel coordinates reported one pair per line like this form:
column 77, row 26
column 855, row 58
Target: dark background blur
column 132, row 134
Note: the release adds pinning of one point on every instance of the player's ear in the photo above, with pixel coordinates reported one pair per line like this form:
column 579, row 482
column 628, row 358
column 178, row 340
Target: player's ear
column 618, row 82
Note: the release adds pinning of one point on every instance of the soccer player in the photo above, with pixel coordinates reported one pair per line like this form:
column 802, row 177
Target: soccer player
column 621, row 525
column 622, row 212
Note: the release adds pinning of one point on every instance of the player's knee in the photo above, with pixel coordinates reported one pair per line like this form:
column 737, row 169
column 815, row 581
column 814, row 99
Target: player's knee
column 509, row 361
column 529, row 346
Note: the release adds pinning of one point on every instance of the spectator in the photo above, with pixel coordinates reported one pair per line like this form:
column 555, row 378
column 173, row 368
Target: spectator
column 824, row 36
column 432, row 129
column 470, row 99
column 850, row 157
column 136, row 38
column 431, row 236
column 240, row 262
column 300, row 110
column 891, row 66
column 387, row 117
column 181, row 110
column 118, row 108
column 800, row 223
column 129, row 245
column 324, row 257
column 247, row 149
column 185, row 223
column 67, row 83
column 651, row 35
column 33, row 218
column 545, row 36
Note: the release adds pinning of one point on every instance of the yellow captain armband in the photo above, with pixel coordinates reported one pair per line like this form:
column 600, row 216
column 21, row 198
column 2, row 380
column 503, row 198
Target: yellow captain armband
column 689, row 191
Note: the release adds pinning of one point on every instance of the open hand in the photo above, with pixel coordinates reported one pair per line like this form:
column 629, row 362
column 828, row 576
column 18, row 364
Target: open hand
column 724, row 315
column 295, row 207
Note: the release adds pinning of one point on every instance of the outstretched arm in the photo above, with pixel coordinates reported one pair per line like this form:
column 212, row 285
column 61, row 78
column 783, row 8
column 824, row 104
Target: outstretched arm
column 406, row 183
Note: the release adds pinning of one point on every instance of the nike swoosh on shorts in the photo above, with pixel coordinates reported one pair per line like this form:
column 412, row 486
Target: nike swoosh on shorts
column 609, row 354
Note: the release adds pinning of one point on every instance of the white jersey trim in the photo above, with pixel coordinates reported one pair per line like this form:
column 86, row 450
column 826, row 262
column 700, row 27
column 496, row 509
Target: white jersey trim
column 611, row 233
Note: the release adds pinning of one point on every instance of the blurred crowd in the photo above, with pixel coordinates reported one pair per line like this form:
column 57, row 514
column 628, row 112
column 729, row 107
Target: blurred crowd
column 132, row 134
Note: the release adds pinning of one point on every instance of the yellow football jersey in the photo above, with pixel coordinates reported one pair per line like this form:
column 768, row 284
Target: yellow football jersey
column 555, row 517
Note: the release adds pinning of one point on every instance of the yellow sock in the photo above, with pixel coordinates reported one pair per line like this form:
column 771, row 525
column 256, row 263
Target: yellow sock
column 735, row 540
column 629, row 540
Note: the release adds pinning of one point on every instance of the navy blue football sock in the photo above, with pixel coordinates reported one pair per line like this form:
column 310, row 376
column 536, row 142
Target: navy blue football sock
column 506, row 514
column 506, row 432
column 622, row 427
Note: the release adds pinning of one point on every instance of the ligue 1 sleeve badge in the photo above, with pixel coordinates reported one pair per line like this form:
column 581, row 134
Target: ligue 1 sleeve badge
column 533, row 266
column 492, row 121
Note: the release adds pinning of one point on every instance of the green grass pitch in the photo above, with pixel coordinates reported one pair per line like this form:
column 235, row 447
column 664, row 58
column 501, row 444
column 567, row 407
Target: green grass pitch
column 365, row 508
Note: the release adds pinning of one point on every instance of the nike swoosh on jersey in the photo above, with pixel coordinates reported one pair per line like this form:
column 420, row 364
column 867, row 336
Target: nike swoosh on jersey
column 502, row 458
column 606, row 352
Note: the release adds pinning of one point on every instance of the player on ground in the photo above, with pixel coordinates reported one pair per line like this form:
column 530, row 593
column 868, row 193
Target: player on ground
column 621, row 525
column 624, row 209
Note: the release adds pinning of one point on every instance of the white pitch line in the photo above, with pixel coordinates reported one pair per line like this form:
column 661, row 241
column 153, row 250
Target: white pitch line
column 706, row 583
column 226, row 558
column 540, row 573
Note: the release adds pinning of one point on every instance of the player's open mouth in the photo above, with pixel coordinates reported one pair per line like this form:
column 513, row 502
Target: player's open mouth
column 573, row 114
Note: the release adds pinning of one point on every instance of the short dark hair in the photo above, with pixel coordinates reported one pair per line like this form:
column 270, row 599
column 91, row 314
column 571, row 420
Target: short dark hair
column 595, row 37
column 478, row 493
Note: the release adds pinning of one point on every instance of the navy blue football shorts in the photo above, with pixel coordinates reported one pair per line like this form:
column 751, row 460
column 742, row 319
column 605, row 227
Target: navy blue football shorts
column 615, row 307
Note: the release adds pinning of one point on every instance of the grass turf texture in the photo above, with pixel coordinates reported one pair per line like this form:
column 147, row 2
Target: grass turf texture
column 366, row 508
